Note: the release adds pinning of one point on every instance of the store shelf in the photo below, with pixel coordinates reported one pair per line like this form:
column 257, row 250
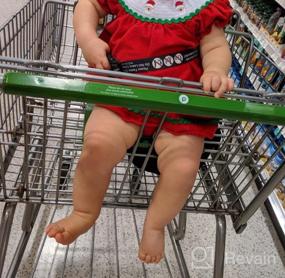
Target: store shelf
column 277, row 214
column 274, row 208
column 281, row 3
column 252, row 76
column 273, row 204
column 271, row 47
column 278, row 209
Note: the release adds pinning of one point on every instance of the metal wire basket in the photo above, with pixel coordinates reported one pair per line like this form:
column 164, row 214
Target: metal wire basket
column 45, row 99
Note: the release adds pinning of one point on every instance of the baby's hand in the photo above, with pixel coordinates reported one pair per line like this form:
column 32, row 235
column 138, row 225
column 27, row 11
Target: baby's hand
column 95, row 53
column 216, row 82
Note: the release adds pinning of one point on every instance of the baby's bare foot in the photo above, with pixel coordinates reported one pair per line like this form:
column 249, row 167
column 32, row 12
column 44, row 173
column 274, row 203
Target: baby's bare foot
column 152, row 245
column 66, row 230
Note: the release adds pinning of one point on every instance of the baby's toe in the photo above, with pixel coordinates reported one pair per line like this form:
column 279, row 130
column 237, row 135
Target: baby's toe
column 148, row 259
column 142, row 256
column 153, row 260
column 157, row 259
column 54, row 229
column 64, row 238
column 60, row 238
column 48, row 229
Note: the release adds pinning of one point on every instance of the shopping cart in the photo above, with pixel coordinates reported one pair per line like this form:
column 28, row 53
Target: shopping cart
column 45, row 99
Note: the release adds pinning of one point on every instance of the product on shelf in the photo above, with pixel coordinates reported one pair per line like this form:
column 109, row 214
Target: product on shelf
column 283, row 52
column 268, row 16
column 279, row 82
column 281, row 36
column 263, row 73
column 270, row 74
column 262, row 11
column 259, row 64
column 281, row 195
column 278, row 27
column 265, row 68
column 273, row 20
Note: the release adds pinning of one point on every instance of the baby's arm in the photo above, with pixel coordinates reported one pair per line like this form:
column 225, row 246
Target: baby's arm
column 86, row 16
column 216, row 60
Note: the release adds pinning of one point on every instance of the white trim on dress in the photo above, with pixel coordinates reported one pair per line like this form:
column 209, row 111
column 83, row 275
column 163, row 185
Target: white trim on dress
column 165, row 9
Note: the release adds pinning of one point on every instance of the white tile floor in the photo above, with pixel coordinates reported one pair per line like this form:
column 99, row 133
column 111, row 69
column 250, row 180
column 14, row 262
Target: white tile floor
column 9, row 8
column 254, row 253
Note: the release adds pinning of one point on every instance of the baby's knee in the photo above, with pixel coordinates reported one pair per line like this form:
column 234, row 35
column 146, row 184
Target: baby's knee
column 100, row 146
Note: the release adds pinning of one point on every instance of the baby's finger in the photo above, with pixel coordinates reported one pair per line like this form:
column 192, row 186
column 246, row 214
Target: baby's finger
column 216, row 83
column 206, row 83
column 230, row 84
column 99, row 65
column 105, row 63
column 223, row 87
column 107, row 48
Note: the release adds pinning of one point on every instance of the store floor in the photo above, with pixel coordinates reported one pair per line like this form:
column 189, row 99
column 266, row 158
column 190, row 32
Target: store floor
column 9, row 8
column 110, row 249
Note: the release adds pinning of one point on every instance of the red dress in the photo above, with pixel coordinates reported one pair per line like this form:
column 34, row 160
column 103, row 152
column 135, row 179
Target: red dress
column 137, row 33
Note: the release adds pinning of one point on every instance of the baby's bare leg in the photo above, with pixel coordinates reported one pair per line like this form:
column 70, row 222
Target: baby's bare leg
column 178, row 163
column 106, row 140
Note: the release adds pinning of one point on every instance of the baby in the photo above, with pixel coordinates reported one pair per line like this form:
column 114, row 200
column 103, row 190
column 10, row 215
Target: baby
column 181, row 39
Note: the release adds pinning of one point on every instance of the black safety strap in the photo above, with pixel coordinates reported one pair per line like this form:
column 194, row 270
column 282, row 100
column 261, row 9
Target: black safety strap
column 154, row 63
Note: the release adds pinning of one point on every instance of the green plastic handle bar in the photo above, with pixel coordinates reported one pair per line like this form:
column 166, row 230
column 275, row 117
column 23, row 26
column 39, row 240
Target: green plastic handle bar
column 141, row 98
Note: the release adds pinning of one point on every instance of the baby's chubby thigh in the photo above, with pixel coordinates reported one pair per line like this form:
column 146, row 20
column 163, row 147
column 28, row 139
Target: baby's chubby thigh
column 179, row 154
